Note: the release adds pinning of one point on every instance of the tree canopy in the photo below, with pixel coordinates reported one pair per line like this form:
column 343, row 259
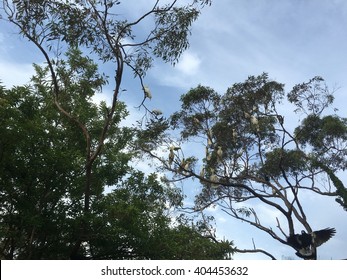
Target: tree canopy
column 60, row 152
column 132, row 216
column 243, row 150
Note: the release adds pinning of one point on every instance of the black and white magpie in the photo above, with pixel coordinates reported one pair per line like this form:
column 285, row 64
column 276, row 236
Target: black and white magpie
column 305, row 243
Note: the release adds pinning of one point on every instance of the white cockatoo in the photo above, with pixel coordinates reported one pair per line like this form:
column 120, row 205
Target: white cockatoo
column 202, row 172
column 171, row 157
column 247, row 116
column 207, row 154
column 219, row 153
column 209, row 138
column 157, row 112
column 196, row 121
column 186, row 165
column 214, row 180
column 172, row 154
column 234, row 133
column 147, row 92
column 254, row 120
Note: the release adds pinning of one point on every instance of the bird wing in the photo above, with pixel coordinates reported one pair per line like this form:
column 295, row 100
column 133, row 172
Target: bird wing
column 294, row 241
column 321, row 236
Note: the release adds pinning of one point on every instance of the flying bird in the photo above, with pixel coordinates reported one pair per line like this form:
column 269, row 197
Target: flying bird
column 305, row 243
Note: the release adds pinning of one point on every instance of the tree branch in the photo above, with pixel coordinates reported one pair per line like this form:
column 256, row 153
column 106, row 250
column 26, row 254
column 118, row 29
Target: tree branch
column 255, row 251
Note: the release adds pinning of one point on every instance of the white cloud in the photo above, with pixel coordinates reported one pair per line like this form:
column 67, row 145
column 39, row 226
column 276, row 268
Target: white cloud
column 105, row 95
column 14, row 74
column 185, row 74
column 189, row 64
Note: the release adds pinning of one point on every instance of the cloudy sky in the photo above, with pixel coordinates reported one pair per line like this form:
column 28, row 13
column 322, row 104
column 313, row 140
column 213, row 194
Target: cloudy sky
column 292, row 40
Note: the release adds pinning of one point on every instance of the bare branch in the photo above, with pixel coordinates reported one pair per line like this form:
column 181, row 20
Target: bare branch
column 255, row 251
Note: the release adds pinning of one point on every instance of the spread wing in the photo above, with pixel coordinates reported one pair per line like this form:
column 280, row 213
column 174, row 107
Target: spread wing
column 321, row 236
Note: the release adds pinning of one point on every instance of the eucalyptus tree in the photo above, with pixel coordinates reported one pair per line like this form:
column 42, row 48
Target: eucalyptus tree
column 245, row 152
column 98, row 30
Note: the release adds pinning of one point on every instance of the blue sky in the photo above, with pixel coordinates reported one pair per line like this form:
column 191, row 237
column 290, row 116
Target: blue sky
column 292, row 40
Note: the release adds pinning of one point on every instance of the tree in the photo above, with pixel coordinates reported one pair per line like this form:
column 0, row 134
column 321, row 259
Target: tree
column 135, row 221
column 245, row 152
column 42, row 188
column 41, row 166
column 57, row 28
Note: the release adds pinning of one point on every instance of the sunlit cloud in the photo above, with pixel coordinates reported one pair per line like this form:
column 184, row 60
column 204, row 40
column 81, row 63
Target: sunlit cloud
column 189, row 64
column 14, row 74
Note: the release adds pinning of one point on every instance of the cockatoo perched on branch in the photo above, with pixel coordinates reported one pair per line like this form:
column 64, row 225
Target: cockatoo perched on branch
column 171, row 157
column 172, row 154
column 219, row 153
column 157, row 112
column 202, row 172
column 234, row 133
column 209, row 138
column 252, row 118
column 185, row 166
column 247, row 116
column 147, row 92
column 214, row 180
column 254, row 121
column 208, row 155
column 196, row 121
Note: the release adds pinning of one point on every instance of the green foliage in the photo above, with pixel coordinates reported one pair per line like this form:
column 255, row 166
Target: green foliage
column 173, row 31
column 150, row 133
column 42, row 186
column 37, row 166
column 311, row 97
column 282, row 161
column 60, row 150
column 198, row 107
column 42, row 161
column 327, row 136
column 321, row 132
column 138, row 224
column 341, row 190
column 244, row 124
column 97, row 26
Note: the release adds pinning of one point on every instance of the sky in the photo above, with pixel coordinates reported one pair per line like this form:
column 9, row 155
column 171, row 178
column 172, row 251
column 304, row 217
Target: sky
column 291, row 40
